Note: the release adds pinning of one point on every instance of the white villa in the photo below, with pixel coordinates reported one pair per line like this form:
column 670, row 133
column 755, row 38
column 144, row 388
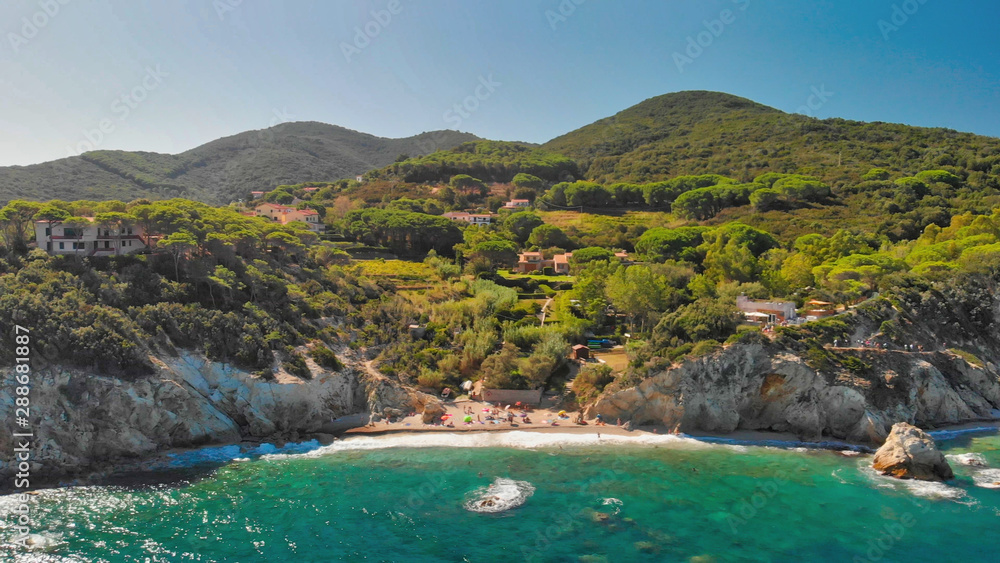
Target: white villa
column 473, row 218
column 284, row 214
column 92, row 240
column 517, row 204
column 766, row 311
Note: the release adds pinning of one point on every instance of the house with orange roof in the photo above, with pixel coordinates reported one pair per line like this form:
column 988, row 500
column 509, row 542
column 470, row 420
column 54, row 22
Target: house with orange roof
column 284, row 214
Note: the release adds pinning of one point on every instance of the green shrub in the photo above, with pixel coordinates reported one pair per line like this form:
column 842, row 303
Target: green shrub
column 325, row 358
column 296, row 365
column 854, row 365
column 591, row 380
column 967, row 356
column 818, row 358
column 705, row 347
column 747, row 334
column 679, row 351
column 431, row 379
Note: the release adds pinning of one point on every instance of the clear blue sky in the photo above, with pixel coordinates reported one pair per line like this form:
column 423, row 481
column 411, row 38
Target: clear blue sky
column 203, row 69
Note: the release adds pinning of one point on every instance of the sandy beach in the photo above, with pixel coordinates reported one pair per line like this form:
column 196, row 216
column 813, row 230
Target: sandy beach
column 541, row 420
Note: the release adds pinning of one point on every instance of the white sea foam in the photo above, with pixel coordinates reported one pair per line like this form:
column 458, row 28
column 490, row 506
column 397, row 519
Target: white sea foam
column 949, row 434
column 971, row 459
column 611, row 501
column 796, row 445
column 235, row 452
column 987, row 478
column 501, row 495
column 925, row 489
column 514, row 439
column 935, row 490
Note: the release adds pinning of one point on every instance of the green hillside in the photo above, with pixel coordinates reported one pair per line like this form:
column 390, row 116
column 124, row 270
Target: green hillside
column 222, row 170
column 714, row 133
column 497, row 161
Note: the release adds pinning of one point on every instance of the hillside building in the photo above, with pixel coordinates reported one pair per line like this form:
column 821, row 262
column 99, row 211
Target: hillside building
column 284, row 214
column 766, row 311
column 517, row 204
column 472, row 218
column 88, row 240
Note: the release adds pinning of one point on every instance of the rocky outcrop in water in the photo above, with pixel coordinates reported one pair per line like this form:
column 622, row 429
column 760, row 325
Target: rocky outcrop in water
column 764, row 387
column 910, row 453
column 82, row 420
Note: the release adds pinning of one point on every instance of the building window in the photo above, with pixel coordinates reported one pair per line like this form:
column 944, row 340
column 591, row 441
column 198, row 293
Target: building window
column 129, row 230
column 69, row 232
column 62, row 246
column 48, row 231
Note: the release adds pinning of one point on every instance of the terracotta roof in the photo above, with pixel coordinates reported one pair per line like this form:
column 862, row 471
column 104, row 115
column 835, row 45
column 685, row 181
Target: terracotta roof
column 277, row 206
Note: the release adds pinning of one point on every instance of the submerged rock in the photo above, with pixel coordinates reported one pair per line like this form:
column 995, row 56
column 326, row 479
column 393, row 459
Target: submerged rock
column 910, row 453
column 646, row 547
column 501, row 495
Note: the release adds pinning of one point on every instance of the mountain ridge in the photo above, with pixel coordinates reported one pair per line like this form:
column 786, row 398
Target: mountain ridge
column 703, row 132
column 222, row 170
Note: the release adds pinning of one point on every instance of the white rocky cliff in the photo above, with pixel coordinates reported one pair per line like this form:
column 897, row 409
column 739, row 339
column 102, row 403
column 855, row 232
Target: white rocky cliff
column 83, row 421
column 753, row 387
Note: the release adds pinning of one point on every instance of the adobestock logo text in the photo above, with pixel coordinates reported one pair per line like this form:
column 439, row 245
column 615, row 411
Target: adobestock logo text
column 121, row 108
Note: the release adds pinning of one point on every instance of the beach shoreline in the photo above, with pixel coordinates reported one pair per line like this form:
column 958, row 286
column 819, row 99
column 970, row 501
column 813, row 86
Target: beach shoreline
column 355, row 426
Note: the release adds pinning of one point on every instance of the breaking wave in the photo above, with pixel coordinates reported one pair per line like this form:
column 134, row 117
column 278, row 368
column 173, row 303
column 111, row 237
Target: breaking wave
column 501, row 496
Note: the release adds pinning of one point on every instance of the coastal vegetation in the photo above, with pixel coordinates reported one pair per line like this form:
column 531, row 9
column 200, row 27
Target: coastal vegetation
column 661, row 249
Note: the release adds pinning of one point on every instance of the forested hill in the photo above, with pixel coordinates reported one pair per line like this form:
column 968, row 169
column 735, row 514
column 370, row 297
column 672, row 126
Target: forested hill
column 701, row 132
column 493, row 161
column 222, row 170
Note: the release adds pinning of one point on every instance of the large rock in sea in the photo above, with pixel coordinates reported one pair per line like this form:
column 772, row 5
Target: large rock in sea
column 910, row 453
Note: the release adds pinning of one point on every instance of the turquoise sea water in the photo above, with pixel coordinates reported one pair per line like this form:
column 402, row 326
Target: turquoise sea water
column 649, row 498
